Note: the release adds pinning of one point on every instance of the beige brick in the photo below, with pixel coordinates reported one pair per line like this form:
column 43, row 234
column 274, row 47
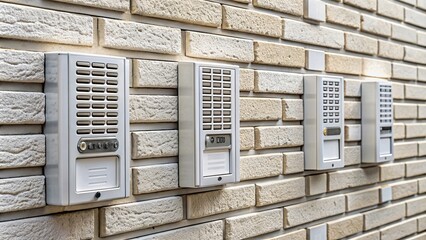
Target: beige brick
column 362, row 199
column 261, row 166
column 368, row 236
column 189, row 11
column 295, row 235
column 398, row 91
column 404, row 71
column 144, row 108
column 414, row 17
column 316, row 184
column 18, row 151
column 391, row 171
column 302, row 213
column 405, row 150
column 391, row 50
column 246, row 138
column 17, row 194
column 403, row 189
column 382, row 216
column 294, row 162
column 399, row 230
column 246, row 79
column 155, row 178
column 376, row 68
column 421, row 223
column 252, row 109
column 201, row 45
column 415, row 55
column 390, row 9
column 375, row 25
column 415, row 168
column 292, row 109
column 398, row 130
column 149, row 144
column 205, row 231
column 22, row 108
column 75, row 225
column 422, row 111
column 369, row 5
column 352, row 110
column 121, row 5
column 404, row 111
column 352, row 88
column 345, row 227
column 279, row 191
column 278, row 82
column 279, row 54
column 155, row 74
column 403, row 33
column 415, row 92
column 139, row 36
column 140, row 215
column 21, row 66
column 411, row 2
column 293, row 7
column 35, row 24
column 421, row 236
column 342, row 16
column 278, row 137
column 421, row 38
column 312, row 34
column 338, row 63
column 360, row 44
column 241, row 227
column 413, row 130
column 416, row 206
column 352, row 155
column 352, row 178
column 220, row 201
column 352, row 132
column 422, row 148
column 421, row 72
column 243, row 20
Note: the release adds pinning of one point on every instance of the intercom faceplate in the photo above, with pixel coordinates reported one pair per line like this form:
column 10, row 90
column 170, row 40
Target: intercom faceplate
column 323, row 122
column 377, row 122
column 86, row 129
column 208, row 124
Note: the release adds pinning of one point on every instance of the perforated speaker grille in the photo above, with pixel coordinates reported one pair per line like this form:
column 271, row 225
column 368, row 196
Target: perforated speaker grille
column 385, row 103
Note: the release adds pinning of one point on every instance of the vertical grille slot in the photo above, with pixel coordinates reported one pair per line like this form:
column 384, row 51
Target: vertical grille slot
column 385, row 98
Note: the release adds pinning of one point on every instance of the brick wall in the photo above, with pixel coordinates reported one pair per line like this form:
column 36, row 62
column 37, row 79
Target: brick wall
column 268, row 39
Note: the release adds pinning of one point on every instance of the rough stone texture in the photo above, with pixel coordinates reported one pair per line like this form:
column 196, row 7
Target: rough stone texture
column 352, row 132
column 352, row 178
column 316, row 184
column 421, row 223
column 362, row 199
column 415, row 55
column 302, row 213
column 22, row 151
column 375, row 25
column 242, row 227
column 403, row 189
column 206, row 231
column 404, row 71
column 155, row 74
column 243, row 20
column 352, row 155
column 148, row 144
column 342, row 16
column 246, row 138
column 220, row 201
column 415, row 168
column 312, row 34
column 352, row 88
column 368, row 236
column 404, row 111
column 345, row 227
column 22, row 193
column 120, row 5
column 216, row 47
column 278, row 137
column 292, row 109
column 405, row 150
column 338, row 63
column 413, row 130
column 279, row 191
column 246, row 79
column 295, row 235
column 139, row 36
column 422, row 148
column 403, row 33
column 20, row 66
column 398, row 90
column 35, row 24
column 415, row 17
column 352, row 110
column 261, row 166
column 391, row 50
column 422, row 111
column 21, row 108
column 293, row 162
column 279, row 54
column 155, row 178
column 252, row 109
column 390, row 9
column 416, row 206
column 189, row 11
column 140, row 215
column 391, row 171
column 376, row 68
column 144, row 108
column 369, row 5
column 293, row 7
column 382, row 216
column 361, row 44
column 399, row 230
column 278, row 82
column 415, row 92
column 76, row 225
column 421, row 38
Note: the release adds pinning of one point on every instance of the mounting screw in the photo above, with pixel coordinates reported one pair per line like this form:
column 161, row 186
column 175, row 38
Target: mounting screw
column 82, row 146
column 97, row 195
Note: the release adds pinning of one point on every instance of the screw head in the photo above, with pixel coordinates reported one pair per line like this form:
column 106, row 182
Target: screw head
column 83, row 146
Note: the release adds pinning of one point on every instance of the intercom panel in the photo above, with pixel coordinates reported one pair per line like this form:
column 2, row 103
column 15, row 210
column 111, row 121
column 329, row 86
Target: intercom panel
column 323, row 122
column 208, row 124
column 87, row 128
column 377, row 122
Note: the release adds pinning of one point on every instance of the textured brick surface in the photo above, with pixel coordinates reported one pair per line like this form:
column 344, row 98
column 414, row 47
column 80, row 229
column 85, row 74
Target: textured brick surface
column 338, row 63
column 405, row 150
column 23, row 193
column 361, row 44
column 293, row 7
column 278, row 82
column 155, row 178
column 404, row 189
column 399, row 230
column 261, row 166
column 415, row 55
column 404, row 33
column 292, row 109
column 352, row 155
column 415, row 168
column 22, row 151
column 415, row 92
column 278, row 137
column 342, row 16
column 352, row 110
column 246, row 79
column 376, row 68
column 279, row 191
column 413, row 130
column 145, row 108
column 391, row 171
column 155, row 74
column 279, row 54
column 352, row 178
column 390, row 9
column 352, row 132
column 246, row 138
column 316, row 184
column 391, row 50
column 345, row 227
column 21, row 66
column 206, row 231
column 369, row 5
column 416, row 206
column 252, row 109
column 416, row 18
column 404, row 71
column 404, row 111
column 362, row 199
column 399, row 130
column 293, row 162
column 384, row 215
column 375, row 25
column 22, row 108
column 147, row 144
column 119, row 5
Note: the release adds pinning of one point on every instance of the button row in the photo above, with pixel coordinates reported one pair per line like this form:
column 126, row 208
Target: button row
column 97, row 105
column 330, row 89
column 330, row 101
column 216, row 127
column 96, row 73
column 96, row 81
column 216, row 84
column 330, row 95
column 216, row 71
column 97, row 131
column 216, row 99
column 96, row 65
column 216, row 105
column 96, row 122
column 331, row 114
column 216, row 113
column 330, row 83
column 335, row 120
column 331, row 108
column 216, row 91
column 97, row 89
column 216, row 120
column 97, row 98
column 97, row 114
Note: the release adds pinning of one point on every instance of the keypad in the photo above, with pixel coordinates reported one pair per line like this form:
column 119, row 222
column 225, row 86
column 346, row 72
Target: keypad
column 385, row 91
column 331, row 101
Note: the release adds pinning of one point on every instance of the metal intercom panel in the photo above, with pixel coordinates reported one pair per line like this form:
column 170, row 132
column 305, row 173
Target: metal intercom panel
column 87, row 128
column 323, row 122
column 377, row 122
column 209, row 145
